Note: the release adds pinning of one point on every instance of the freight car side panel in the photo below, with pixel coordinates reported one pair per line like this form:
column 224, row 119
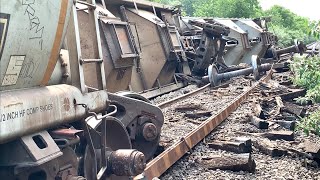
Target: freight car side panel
column 234, row 54
column 153, row 56
column 254, row 32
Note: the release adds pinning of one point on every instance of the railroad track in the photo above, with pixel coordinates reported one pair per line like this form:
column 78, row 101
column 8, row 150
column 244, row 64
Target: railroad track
column 167, row 158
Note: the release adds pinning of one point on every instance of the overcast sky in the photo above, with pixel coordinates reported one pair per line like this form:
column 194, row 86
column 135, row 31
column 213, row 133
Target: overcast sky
column 307, row 8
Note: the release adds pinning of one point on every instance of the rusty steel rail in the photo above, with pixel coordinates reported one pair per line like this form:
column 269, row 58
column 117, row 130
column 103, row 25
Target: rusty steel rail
column 166, row 159
column 168, row 103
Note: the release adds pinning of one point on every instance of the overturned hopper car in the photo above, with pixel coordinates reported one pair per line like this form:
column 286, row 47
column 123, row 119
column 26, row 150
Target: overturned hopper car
column 141, row 48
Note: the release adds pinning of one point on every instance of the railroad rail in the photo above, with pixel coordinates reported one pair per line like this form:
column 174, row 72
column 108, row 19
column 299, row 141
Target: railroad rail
column 194, row 92
column 166, row 159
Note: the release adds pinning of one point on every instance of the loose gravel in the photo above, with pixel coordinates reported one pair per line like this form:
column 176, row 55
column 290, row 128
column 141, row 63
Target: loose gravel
column 176, row 125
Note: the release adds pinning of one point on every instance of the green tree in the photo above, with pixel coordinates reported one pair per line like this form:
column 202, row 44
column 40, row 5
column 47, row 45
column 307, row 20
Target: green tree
column 288, row 26
column 315, row 29
column 227, row 8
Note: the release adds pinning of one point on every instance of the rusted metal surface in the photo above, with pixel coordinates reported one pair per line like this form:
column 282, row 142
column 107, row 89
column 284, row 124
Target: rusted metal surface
column 149, row 131
column 166, row 159
column 69, row 133
column 127, row 162
column 134, row 113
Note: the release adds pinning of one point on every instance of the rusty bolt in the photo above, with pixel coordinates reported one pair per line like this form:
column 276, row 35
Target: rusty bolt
column 127, row 162
column 139, row 162
column 149, row 131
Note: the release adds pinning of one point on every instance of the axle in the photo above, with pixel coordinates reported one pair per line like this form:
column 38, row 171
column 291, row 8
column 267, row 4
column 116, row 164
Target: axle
column 215, row 78
column 298, row 47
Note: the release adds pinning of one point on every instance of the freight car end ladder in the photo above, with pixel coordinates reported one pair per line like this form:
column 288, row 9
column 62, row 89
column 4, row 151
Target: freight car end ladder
column 97, row 52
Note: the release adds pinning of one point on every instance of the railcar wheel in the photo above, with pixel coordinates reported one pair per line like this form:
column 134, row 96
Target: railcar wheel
column 148, row 136
column 117, row 138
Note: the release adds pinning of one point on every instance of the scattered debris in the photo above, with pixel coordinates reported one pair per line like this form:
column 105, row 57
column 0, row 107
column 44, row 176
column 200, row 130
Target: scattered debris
column 239, row 162
column 313, row 148
column 295, row 93
column 188, row 107
column 258, row 111
column 290, row 125
column 199, row 114
column 233, row 146
column 274, row 135
column 269, row 148
column 259, row 123
column 295, row 109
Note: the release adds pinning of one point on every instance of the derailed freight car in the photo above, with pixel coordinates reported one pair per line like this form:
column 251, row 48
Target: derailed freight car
column 141, row 50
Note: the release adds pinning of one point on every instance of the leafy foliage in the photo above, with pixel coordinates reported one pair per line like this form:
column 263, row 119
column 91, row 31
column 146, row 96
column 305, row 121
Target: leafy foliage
column 227, row 8
column 310, row 124
column 315, row 29
column 288, row 26
column 307, row 74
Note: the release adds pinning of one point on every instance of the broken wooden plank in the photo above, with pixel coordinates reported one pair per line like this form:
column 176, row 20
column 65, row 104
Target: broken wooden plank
column 258, row 111
column 313, row 148
column 247, row 141
column 198, row 114
column 273, row 135
column 187, row 107
column 279, row 102
column 259, row 123
column 239, row 162
column 294, row 109
column 286, row 124
column 269, row 148
column 279, row 105
column 237, row 147
column 295, row 93
column 298, row 153
column 286, row 117
column 285, row 135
